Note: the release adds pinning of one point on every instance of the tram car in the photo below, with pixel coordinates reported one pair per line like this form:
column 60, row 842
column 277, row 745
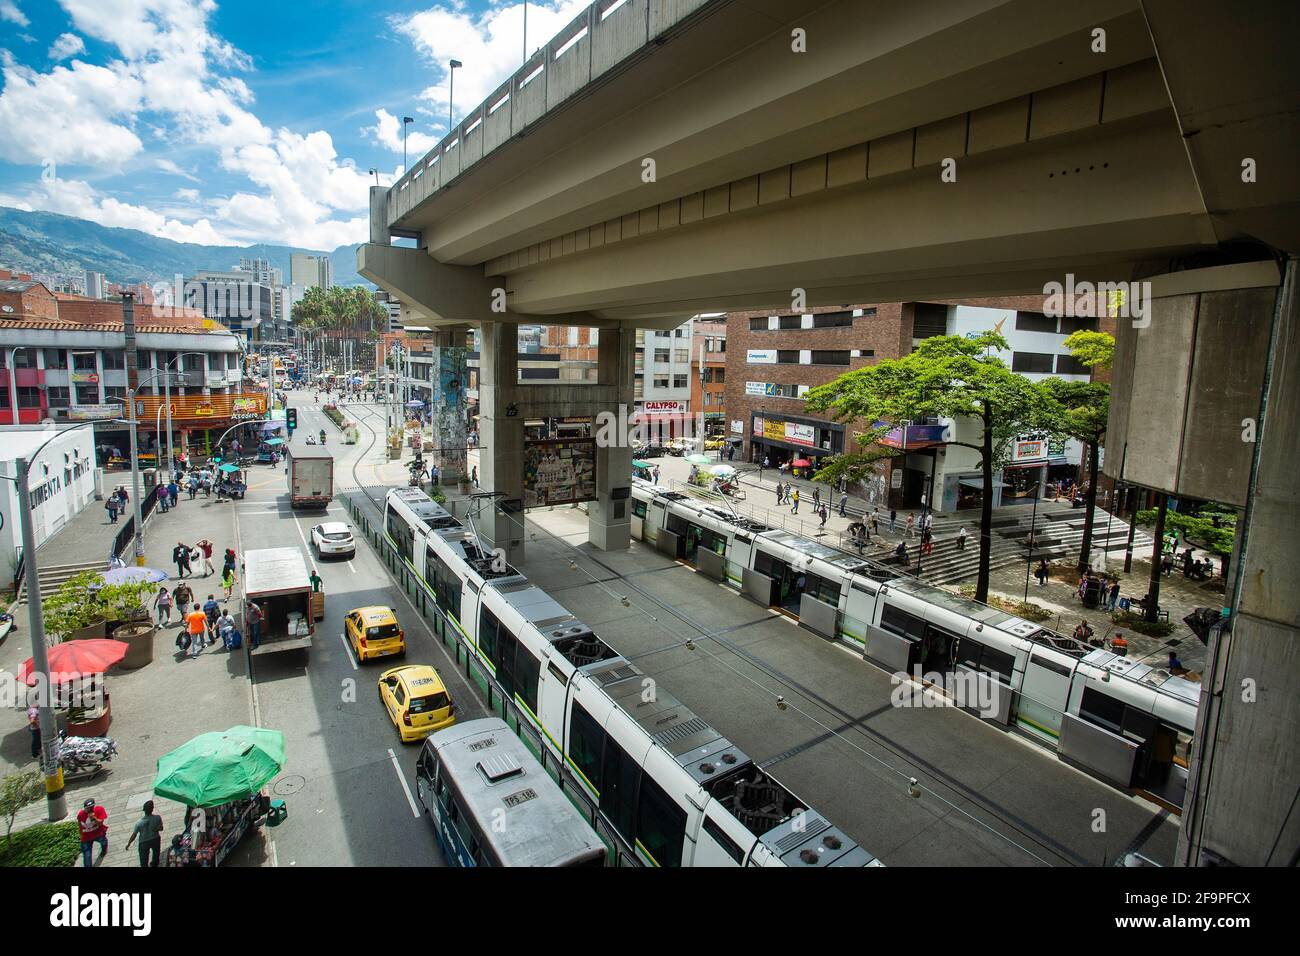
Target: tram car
column 1124, row 721
column 676, row 791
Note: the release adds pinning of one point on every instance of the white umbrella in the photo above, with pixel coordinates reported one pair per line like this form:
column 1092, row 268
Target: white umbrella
column 723, row 471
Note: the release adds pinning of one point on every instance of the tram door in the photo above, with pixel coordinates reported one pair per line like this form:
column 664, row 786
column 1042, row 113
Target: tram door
column 652, row 524
column 788, row 592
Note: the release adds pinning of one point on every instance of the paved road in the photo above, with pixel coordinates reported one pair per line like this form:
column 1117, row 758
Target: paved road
column 348, row 774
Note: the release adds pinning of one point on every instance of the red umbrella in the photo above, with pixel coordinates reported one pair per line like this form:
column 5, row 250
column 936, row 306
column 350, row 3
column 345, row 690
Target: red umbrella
column 72, row 660
column 801, row 463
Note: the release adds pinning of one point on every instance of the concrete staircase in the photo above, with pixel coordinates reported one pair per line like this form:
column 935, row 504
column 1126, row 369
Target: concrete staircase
column 51, row 578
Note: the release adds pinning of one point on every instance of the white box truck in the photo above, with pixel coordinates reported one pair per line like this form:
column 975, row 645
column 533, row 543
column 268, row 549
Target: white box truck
column 276, row 580
column 311, row 476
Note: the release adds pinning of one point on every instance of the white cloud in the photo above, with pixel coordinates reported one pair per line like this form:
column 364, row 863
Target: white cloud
column 490, row 45
column 68, row 44
column 9, row 11
column 75, row 197
column 187, row 195
column 387, row 132
column 173, row 81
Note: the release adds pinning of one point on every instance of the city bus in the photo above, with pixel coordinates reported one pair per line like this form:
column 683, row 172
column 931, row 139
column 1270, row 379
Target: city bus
column 492, row 804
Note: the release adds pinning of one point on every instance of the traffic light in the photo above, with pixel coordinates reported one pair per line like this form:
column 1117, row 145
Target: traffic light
column 291, row 419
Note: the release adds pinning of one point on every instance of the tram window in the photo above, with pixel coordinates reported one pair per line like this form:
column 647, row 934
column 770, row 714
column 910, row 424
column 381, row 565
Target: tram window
column 677, row 524
column 823, row 589
column 968, row 653
column 728, row 845
column 998, row 663
column 1102, row 710
column 487, row 635
column 901, row 623
column 528, row 672
column 660, row 824
column 638, row 508
column 586, row 741
column 764, row 563
column 619, row 774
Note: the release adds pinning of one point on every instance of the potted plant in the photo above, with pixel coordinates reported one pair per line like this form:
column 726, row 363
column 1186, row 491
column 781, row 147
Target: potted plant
column 126, row 603
column 74, row 611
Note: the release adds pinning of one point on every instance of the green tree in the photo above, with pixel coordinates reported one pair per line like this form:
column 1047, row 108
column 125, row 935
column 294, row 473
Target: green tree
column 947, row 376
column 1084, row 410
column 1092, row 348
column 18, row 790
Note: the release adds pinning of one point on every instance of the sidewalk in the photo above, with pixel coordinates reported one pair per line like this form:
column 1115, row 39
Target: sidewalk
column 155, row 708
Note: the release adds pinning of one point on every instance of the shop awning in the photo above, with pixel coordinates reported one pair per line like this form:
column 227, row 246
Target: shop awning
column 979, row 483
column 227, row 469
column 641, row 464
column 274, row 441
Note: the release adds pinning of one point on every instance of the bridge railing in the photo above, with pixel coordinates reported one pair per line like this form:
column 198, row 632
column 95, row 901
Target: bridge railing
column 606, row 34
column 499, row 703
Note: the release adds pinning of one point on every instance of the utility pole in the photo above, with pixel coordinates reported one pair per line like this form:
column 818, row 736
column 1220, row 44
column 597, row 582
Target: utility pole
column 132, row 386
column 55, row 798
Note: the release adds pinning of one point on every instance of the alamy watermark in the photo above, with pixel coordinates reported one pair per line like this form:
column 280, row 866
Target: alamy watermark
column 1089, row 300
column 952, row 689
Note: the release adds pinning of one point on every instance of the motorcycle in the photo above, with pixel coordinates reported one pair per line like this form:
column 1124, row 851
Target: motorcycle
column 84, row 757
column 322, row 436
column 310, row 440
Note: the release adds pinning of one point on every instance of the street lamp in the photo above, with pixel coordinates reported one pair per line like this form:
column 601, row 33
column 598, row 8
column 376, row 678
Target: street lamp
column 451, row 91
column 55, row 799
column 406, row 121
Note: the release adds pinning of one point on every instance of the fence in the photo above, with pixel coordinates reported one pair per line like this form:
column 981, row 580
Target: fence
column 126, row 534
column 499, row 703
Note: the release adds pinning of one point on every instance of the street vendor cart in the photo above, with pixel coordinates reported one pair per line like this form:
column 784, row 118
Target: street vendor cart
column 230, row 481
column 269, row 451
column 219, row 777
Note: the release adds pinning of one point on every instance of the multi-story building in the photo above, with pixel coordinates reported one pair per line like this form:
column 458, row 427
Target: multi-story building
column 709, row 370
column 61, row 482
column 93, row 283
column 241, row 305
column 311, row 271
column 775, row 358
column 62, row 359
column 394, row 309
column 662, row 386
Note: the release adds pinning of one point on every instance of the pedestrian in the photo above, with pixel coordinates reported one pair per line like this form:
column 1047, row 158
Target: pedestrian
column 196, row 622
column 1114, row 594
column 34, row 726
column 92, row 822
column 927, row 540
column 111, row 507
column 1083, row 633
column 767, row 462
column 1119, row 645
column 844, row 505
column 1042, row 572
column 473, row 475
column 126, row 499
column 316, row 582
column 229, row 560
column 181, row 558
column 731, row 452
column 825, row 511
column 962, row 534
column 149, row 829
column 433, row 475
column 192, row 486
column 875, row 523
column 164, row 502
column 253, row 620
column 911, row 525
column 893, row 517
column 163, row 602
column 226, row 628
column 1175, row 665
column 901, row 553
column 206, row 547
column 212, row 611
column 817, row 499
column 794, row 502
column 779, row 492
column 182, row 597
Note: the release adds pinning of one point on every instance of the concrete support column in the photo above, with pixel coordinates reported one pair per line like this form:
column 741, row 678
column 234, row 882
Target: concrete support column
column 448, row 376
column 1245, row 768
column 609, row 522
column 501, row 436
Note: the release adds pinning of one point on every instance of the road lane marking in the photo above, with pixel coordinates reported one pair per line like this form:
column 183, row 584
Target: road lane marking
column 347, row 649
column 415, row 811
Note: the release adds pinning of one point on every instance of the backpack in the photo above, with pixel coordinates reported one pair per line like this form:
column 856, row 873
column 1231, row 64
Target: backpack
column 183, row 641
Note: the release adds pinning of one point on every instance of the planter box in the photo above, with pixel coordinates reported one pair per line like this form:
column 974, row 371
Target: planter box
column 97, row 727
column 90, row 631
column 140, row 639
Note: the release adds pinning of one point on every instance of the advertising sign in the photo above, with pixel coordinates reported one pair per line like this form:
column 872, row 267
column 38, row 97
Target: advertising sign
column 761, row 356
column 774, row 430
column 800, row 434
column 559, row 471
column 1029, row 450
column 755, row 388
column 737, row 426
column 90, row 413
column 84, row 378
column 663, row 408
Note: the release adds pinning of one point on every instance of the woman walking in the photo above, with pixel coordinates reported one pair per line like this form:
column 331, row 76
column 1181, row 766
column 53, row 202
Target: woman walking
column 163, row 602
column 228, row 580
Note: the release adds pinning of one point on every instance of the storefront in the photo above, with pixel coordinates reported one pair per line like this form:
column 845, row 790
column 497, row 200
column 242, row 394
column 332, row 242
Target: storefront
column 1036, row 461
column 784, row 439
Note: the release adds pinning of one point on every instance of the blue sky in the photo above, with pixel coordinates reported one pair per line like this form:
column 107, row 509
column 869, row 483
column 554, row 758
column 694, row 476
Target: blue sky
column 239, row 121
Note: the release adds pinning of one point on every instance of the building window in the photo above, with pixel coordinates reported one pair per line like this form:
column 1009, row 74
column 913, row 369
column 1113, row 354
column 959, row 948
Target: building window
column 929, row 320
column 788, row 322
column 29, row 396
column 83, row 361
column 87, row 394
column 720, row 375
column 112, row 392
column 56, row 358
column 681, row 355
column 679, row 381
column 1032, row 362
column 56, row 395
column 114, row 359
column 661, row 355
column 1070, row 325
column 830, row 357
column 1069, row 365
column 870, row 311
column 758, row 325
column 787, row 357
column 832, row 320
column 661, row 381
column 1034, row 322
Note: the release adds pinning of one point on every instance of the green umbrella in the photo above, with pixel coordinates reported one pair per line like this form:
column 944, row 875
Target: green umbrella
column 216, row 768
column 699, row 459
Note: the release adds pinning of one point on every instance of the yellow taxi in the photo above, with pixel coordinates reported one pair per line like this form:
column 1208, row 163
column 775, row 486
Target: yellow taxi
column 374, row 632
column 416, row 701
column 713, row 444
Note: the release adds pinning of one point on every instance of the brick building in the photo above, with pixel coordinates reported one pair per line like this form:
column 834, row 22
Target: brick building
column 774, row 358
column 709, row 368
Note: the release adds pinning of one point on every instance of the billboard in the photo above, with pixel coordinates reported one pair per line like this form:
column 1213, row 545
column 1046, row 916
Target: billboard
column 761, row 356
column 90, row 413
column 559, row 471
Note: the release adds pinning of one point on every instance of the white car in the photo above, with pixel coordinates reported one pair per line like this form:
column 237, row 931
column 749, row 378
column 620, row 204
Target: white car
column 333, row 538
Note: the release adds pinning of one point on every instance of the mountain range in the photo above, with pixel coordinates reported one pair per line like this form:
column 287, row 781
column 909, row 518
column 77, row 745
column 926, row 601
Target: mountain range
column 51, row 243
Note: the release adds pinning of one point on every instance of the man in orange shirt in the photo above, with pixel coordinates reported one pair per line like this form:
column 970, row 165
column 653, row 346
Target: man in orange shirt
column 197, row 624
